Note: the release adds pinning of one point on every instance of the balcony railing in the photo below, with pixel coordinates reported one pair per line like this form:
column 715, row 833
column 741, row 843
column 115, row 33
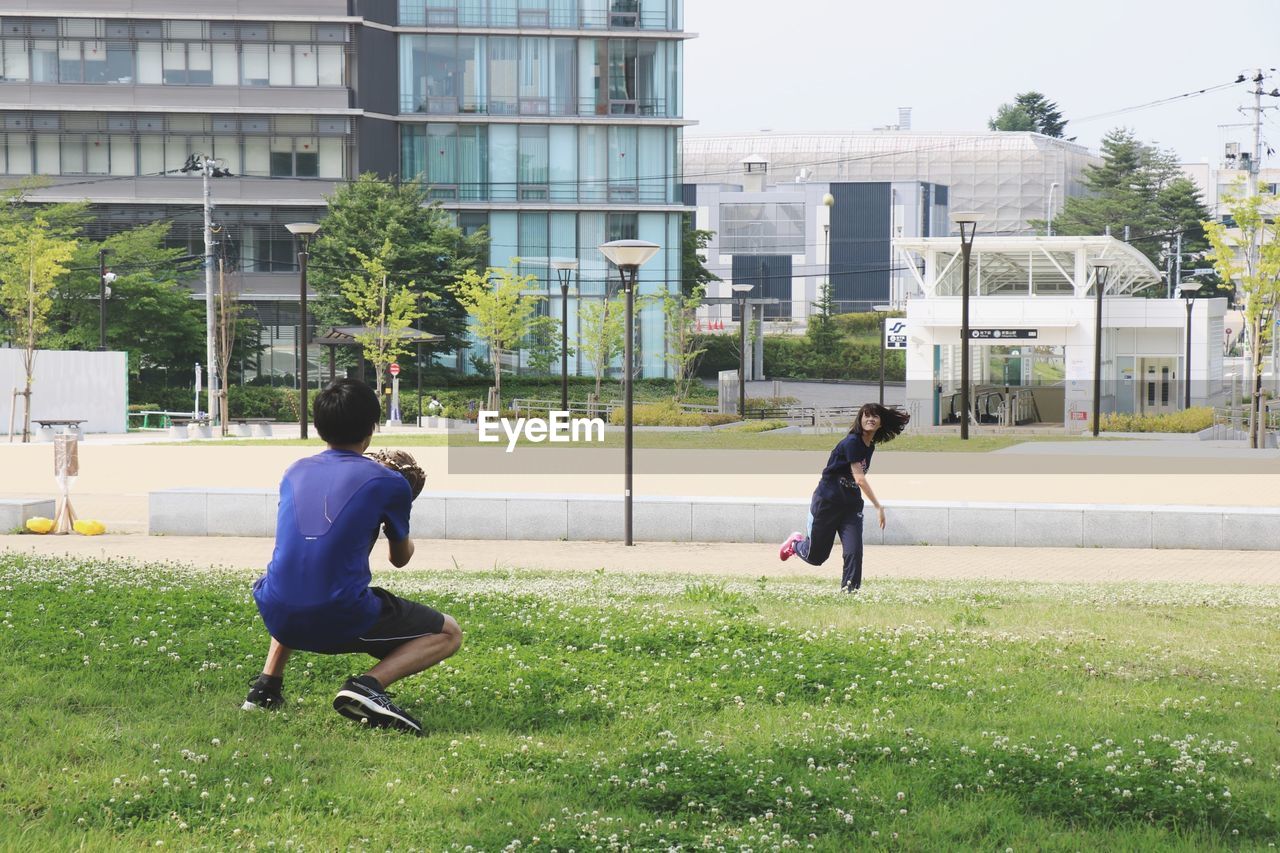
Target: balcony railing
column 463, row 105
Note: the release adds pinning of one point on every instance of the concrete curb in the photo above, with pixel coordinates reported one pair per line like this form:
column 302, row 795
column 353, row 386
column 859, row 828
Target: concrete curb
column 552, row 517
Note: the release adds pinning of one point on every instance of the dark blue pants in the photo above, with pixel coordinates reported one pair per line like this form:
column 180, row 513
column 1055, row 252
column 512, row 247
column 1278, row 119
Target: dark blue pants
column 827, row 519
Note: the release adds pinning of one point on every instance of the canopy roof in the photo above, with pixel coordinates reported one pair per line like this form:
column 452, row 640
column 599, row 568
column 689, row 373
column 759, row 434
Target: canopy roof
column 1024, row 266
column 343, row 336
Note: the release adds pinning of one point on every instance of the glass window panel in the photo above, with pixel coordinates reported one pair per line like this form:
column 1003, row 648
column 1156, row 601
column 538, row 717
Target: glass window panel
column 563, row 68
column 330, row 63
column 563, row 167
column 652, row 165
column 592, row 265
column 503, row 154
column 97, row 155
column 441, row 70
column 199, row 65
column 257, row 156
column 593, row 159
column 564, row 14
column 563, row 236
column 503, row 74
column 119, row 65
column 413, row 74
column 176, row 151
column 533, row 157
column 95, row 61
column 122, row 155
column 622, row 156
column 70, row 69
column 473, row 152
column 471, row 13
column 81, row 27
column 186, row 29
column 442, row 156
column 19, row 154
column 622, row 70
column 595, row 14
column 650, row 78
column 653, row 14
column 149, row 63
column 44, row 62
column 280, row 65
column 16, row 60
column 227, row 149
column 504, row 242
column 502, row 13
column 534, row 74
column 533, row 245
column 175, row 63
column 226, row 65
column 48, row 154
column 72, row 154
column 472, row 68
column 413, row 13
column 254, row 65
column 281, row 156
column 150, row 155
column 305, row 69
column 413, row 151
column 306, row 164
column 331, row 158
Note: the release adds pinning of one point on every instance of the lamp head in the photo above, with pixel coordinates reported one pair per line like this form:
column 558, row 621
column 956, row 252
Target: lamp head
column 629, row 254
column 302, row 229
column 828, row 199
column 1101, row 269
column 1189, row 289
column 742, row 289
column 109, row 277
column 564, row 264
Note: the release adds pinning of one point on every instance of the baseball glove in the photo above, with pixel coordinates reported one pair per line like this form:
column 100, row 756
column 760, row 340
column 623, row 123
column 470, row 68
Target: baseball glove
column 406, row 465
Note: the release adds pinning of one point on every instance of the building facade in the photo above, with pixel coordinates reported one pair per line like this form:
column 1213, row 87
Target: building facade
column 1009, row 178
column 555, row 124
column 785, row 241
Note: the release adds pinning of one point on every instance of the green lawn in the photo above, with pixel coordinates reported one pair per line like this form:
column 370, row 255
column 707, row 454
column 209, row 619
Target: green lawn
column 603, row 711
column 722, row 439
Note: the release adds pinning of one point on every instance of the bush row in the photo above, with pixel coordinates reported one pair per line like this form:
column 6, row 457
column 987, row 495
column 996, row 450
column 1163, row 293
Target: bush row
column 793, row 357
column 1188, row 420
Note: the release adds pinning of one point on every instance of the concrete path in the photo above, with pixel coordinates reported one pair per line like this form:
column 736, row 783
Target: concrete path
column 1056, row 565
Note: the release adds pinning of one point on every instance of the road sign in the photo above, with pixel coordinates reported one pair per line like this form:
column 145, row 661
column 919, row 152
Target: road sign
column 394, row 369
column 994, row 334
column 895, row 333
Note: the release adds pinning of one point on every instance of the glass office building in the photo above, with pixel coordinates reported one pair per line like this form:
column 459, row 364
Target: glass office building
column 555, row 124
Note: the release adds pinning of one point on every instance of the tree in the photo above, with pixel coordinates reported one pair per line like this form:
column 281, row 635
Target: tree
column 1248, row 255
column 1030, row 111
column 33, row 256
column 382, row 308
column 426, row 248
column 500, row 308
column 694, row 275
column 544, row 345
column 680, row 314
column 150, row 314
column 1141, row 187
column 824, row 337
column 600, row 325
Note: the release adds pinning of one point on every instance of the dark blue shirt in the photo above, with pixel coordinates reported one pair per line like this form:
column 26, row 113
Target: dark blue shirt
column 851, row 449
column 315, row 593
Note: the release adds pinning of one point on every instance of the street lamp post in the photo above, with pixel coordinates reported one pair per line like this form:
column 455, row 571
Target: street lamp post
column 105, row 280
column 830, row 202
column 628, row 256
column 884, row 322
column 304, row 231
column 968, row 223
column 1189, row 289
column 1101, row 269
column 742, row 290
column 564, row 271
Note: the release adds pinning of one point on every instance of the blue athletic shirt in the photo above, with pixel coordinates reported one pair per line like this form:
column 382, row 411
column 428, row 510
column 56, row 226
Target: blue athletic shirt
column 315, row 594
column 851, row 449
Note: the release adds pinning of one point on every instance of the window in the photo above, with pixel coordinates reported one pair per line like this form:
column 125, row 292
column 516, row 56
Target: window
column 533, row 161
column 15, row 158
column 16, row 60
column 44, row 61
column 187, row 64
column 764, row 228
column 295, row 157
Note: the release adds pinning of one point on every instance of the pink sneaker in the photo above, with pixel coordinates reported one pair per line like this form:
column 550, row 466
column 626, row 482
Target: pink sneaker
column 789, row 547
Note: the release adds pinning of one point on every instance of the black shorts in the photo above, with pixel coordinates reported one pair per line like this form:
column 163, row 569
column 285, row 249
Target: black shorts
column 401, row 620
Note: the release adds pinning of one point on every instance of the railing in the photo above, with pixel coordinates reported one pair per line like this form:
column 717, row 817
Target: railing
column 477, row 15
column 528, row 407
column 463, row 105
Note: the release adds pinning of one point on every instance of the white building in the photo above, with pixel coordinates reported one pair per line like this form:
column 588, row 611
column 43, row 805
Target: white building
column 1032, row 314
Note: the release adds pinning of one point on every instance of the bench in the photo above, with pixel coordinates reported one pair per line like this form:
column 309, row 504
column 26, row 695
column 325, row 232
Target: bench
column 162, row 419
column 68, row 425
column 186, row 426
column 248, row 427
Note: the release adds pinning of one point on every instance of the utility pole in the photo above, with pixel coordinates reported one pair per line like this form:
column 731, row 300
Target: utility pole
column 208, row 168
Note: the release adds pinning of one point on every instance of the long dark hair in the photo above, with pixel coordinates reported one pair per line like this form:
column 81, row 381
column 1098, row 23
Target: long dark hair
column 893, row 421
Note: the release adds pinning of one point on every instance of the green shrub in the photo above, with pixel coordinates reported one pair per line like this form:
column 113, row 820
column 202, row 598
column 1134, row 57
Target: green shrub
column 1188, row 420
column 667, row 413
column 758, row 426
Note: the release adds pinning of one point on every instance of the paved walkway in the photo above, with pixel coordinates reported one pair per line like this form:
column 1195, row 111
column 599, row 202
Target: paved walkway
column 1059, row 565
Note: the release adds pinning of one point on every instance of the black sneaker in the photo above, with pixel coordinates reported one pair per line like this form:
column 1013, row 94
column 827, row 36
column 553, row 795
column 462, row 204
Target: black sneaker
column 263, row 694
column 362, row 699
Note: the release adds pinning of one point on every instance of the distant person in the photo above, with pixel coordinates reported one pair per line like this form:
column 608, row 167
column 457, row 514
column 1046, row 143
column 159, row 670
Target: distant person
column 837, row 502
column 434, row 407
column 316, row 595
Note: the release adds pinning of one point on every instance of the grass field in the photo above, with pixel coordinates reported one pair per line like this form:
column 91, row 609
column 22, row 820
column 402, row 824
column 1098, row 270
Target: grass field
column 721, row 439
column 602, row 711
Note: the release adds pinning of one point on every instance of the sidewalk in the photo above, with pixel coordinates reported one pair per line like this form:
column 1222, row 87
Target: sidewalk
column 1055, row 565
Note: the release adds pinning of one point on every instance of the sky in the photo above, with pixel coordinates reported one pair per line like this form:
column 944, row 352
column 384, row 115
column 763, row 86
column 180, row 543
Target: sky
column 839, row 65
